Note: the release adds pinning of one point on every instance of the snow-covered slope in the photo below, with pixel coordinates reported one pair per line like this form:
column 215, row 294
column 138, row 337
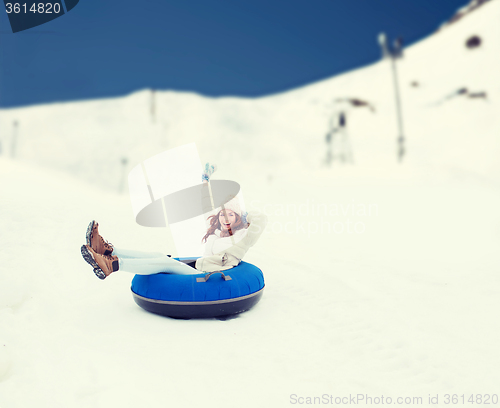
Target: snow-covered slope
column 380, row 288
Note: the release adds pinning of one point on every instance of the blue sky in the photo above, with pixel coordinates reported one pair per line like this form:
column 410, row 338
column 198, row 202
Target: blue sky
column 219, row 47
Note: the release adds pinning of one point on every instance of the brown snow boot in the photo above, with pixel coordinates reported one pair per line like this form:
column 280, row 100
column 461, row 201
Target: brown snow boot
column 103, row 265
column 96, row 242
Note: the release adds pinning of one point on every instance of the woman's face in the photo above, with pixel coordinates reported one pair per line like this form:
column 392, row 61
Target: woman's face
column 227, row 219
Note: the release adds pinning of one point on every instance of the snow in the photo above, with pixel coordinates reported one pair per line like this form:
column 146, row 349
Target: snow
column 381, row 278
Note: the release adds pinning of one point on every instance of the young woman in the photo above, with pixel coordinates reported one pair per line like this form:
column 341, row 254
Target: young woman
column 227, row 240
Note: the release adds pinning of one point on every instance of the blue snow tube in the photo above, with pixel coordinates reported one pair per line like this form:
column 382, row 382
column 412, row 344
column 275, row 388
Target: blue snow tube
column 214, row 294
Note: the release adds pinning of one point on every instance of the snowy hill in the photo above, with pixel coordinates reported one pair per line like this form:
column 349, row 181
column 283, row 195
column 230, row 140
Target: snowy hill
column 381, row 278
column 464, row 11
column 90, row 139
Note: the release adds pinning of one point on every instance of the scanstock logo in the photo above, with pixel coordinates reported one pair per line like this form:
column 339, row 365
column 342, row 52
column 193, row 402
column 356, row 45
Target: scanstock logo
column 30, row 13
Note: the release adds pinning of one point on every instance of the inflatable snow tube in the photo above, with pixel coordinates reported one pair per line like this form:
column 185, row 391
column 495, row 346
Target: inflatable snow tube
column 213, row 294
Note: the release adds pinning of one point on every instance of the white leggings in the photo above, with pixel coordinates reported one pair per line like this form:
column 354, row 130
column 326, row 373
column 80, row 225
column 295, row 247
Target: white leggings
column 149, row 263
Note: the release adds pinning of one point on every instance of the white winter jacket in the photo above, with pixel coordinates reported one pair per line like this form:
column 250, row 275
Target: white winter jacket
column 220, row 252
column 215, row 243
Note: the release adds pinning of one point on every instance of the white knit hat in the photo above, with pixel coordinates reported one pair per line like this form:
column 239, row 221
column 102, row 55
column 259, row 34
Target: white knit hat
column 234, row 206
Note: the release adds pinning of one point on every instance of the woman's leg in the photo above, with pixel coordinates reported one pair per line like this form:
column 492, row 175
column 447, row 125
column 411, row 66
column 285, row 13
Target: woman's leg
column 150, row 266
column 132, row 253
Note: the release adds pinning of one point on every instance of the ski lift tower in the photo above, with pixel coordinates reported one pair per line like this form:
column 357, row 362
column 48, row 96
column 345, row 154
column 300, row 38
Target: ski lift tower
column 393, row 54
